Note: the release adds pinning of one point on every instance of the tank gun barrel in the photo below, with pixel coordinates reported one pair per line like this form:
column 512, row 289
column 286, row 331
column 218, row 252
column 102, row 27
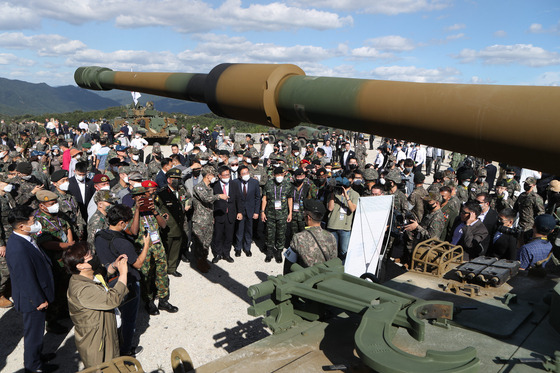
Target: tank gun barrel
column 513, row 124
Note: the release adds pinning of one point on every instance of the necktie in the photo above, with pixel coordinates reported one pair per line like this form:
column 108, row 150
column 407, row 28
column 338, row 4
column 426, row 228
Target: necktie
column 224, row 186
column 245, row 189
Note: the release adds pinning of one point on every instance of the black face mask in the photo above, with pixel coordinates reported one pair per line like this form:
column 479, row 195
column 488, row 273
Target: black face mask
column 428, row 206
column 95, row 263
column 527, row 186
column 298, row 181
column 353, row 166
column 196, row 173
column 175, row 183
column 255, row 161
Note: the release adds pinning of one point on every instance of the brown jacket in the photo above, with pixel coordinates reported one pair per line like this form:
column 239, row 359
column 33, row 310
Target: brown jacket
column 92, row 312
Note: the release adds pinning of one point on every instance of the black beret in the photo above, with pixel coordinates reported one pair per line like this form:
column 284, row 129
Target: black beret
column 278, row 170
column 59, row 174
column 299, row 171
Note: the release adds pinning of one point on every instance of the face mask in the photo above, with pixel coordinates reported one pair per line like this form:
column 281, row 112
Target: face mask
column 481, row 206
column 80, row 178
column 296, row 153
column 527, row 187
column 196, row 173
column 8, row 188
column 245, row 177
column 240, row 159
column 174, row 183
column 35, row 228
column 509, row 176
column 125, row 179
column 358, row 182
column 220, row 161
column 106, row 187
column 428, row 206
column 466, row 183
column 248, row 161
column 298, row 181
column 279, row 179
column 482, row 179
column 136, row 185
column 255, row 161
column 53, row 209
column 382, row 181
column 353, row 166
column 408, row 169
column 203, row 162
column 135, row 157
column 213, row 180
column 26, row 177
column 276, row 165
column 215, row 158
column 225, row 180
column 64, row 186
column 234, row 168
column 3, row 154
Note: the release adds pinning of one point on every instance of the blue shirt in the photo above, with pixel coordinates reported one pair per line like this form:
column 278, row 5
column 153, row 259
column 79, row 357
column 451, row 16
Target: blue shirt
column 533, row 252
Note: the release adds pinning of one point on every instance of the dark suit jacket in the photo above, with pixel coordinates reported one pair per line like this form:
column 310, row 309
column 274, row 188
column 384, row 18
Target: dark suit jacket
column 74, row 190
column 251, row 202
column 31, row 274
column 161, row 179
column 491, row 172
column 173, row 205
column 351, row 154
column 491, row 223
column 505, row 247
column 233, row 205
column 472, row 240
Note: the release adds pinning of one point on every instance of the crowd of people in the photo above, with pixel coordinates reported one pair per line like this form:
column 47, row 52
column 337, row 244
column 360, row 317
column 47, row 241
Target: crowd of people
column 92, row 225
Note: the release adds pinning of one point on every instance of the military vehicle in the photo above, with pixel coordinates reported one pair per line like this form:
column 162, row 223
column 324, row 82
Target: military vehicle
column 300, row 134
column 153, row 127
column 326, row 320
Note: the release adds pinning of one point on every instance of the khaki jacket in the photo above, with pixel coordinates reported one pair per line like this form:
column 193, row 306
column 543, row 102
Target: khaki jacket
column 92, row 312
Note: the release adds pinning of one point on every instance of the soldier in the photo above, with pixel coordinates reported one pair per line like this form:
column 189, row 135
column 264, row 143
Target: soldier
column 512, row 186
column 4, row 158
column 172, row 201
column 437, row 183
column 257, row 171
column 293, row 159
column 253, row 152
column 69, row 209
column 480, row 185
column 392, row 181
column 464, row 179
column 137, row 165
column 370, row 177
column 123, row 180
column 416, row 198
column 203, row 216
column 148, row 221
column 501, row 199
column 98, row 221
column 55, row 237
column 28, row 185
column 313, row 245
column 183, row 133
column 276, row 211
column 7, row 203
column 24, row 143
column 361, row 153
column 529, row 205
column 301, row 187
column 450, row 207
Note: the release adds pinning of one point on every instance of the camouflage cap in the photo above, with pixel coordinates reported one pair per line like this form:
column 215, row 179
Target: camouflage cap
column 104, row 195
column 451, row 184
column 174, row 173
column 58, row 174
column 370, row 174
column 482, row 172
column 46, row 196
column 204, row 155
column 156, row 148
column 531, row 181
column 138, row 190
column 251, row 142
column 433, row 196
column 124, row 169
column 135, row 175
column 501, row 183
column 280, row 158
column 4, row 177
column 394, row 176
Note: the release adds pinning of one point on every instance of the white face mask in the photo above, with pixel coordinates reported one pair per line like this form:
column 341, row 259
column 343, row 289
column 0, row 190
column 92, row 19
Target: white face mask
column 248, row 161
column 125, row 179
column 136, row 185
column 213, row 180
column 296, row 153
column 64, row 186
column 35, row 228
column 245, row 177
column 80, row 178
column 234, row 168
column 225, row 180
column 53, row 209
column 509, row 176
column 26, row 177
column 8, row 188
column 203, row 162
column 106, row 187
column 135, row 157
column 466, row 183
column 382, row 181
column 240, row 159
column 3, row 154
column 482, row 179
column 279, row 179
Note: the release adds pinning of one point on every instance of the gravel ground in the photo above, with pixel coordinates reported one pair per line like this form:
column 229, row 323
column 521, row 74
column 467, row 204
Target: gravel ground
column 212, row 319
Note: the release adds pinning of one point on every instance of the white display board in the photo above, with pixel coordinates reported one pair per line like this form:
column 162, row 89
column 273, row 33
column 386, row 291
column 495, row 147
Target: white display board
column 368, row 230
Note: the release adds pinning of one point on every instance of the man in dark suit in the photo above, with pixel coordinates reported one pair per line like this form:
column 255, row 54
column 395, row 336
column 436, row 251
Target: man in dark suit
column 251, row 200
column 226, row 212
column 469, row 232
column 32, row 283
column 504, row 242
column 491, row 172
column 161, row 178
column 346, row 155
column 488, row 217
column 81, row 187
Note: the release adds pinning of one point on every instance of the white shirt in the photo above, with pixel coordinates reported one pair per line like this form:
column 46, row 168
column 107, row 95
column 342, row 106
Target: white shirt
column 379, row 159
column 420, row 156
column 138, row 143
column 400, row 156
column 95, row 148
column 268, row 150
column 525, row 173
column 188, row 147
column 83, row 126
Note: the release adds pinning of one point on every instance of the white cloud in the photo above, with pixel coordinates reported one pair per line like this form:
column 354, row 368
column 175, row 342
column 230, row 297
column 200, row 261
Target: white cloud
column 416, row 74
column 455, row 27
column 522, row 54
column 500, row 34
column 394, row 43
column 181, row 15
column 11, row 59
column 551, row 78
column 536, row 28
column 369, row 52
column 455, row 36
column 389, row 7
column 44, row 45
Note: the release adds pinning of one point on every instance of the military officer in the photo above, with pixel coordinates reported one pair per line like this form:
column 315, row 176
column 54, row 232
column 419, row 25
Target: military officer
column 137, row 165
column 23, row 145
column 480, row 185
column 147, row 220
column 417, row 196
column 293, row 159
column 313, row 245
column 257, row 171
column 4, row 158
column 276, row 211
column 512, row 186
column 55, row 237
column 69, row 209
column 172, row 202
column 529, row 205
column 123, row 180
column 501, row 199
column 301, row 186
column 203, row 216
column 370, row 176
column 28, row 185
column 104, row 199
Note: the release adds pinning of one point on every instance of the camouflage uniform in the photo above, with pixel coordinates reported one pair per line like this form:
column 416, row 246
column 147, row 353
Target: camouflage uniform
column 154, row 268
column 115, row 189
column 400, row 202
column 25, row 145
column 450, row 211
column 203, row 218
column 456, row 159
column 529, row 206
column 462, row 193
column 70, row 211
column 512, row 186
column 499, row 203
column 96, row 222
column 253, row 152
column 314, row 245
column 298, row 221
column 183, row 133
column 140, row 167
column 476, row 188
column 417, row 202
column 24, row 195
column 434, row 188
column 153, row 168
column 292, row 162
column 361, row 154
column 258, row 173
column 276, row 215
column 6, row 204
column 431, row 226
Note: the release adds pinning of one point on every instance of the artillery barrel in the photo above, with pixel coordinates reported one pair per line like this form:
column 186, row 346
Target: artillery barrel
column 517, row 125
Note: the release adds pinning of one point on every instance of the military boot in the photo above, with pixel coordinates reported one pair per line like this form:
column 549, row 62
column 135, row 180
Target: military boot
column 278, row 255
column 166, row 306
column 269, row 255
column 151, row 308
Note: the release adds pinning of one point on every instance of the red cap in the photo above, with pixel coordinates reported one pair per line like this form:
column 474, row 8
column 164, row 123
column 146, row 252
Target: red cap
column 149, row 184
column 305, row 161
column 100, row 178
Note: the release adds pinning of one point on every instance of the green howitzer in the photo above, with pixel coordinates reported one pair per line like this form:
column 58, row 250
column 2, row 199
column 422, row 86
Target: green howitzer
column 383, row 311
column 514, row 124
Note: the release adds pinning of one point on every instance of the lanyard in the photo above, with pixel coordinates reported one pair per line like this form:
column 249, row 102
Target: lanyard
column 300, row 191
column 275, row 192
column 59, row 228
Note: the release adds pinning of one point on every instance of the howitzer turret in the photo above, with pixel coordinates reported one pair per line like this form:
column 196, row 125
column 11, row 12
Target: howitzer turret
column 512, row 124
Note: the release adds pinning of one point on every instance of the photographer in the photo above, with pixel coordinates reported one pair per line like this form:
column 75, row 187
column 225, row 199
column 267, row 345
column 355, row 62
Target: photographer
column 342, row 204
column 91, row 303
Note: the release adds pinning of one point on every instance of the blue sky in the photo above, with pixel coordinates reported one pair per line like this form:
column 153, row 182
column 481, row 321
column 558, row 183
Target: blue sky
column 490, row 41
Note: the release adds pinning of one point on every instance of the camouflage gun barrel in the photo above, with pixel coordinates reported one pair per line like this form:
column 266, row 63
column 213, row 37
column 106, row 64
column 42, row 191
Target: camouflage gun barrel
column 512, row 124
